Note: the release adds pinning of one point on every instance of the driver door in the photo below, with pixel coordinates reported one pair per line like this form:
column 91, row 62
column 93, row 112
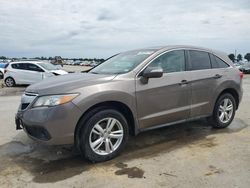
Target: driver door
column 166, row 99
column 34, row 73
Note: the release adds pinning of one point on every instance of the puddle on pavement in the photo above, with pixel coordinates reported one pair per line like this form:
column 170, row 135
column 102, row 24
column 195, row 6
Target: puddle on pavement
column 15, row 148
column 64, row 164
column 133, row 172
column 53, row 171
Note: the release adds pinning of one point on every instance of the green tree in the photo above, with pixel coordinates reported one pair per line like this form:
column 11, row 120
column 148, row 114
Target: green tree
column 3, row 57
column 239, row 57
column 232, row 57
column 247, row 56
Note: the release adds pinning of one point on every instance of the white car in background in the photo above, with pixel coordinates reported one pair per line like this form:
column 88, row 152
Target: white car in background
column 29, row 72
column 2, row 69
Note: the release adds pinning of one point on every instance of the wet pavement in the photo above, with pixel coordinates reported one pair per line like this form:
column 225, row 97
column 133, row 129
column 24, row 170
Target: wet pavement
column 184, row 155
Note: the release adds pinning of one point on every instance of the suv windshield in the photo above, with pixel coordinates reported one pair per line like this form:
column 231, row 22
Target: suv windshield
column 48, row 66
column 123, row 62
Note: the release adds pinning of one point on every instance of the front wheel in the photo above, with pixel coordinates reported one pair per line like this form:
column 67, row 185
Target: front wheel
column 224, row 111
column 103, row 135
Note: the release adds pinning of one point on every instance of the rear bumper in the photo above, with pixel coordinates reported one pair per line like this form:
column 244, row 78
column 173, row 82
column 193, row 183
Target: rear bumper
column 50, row 125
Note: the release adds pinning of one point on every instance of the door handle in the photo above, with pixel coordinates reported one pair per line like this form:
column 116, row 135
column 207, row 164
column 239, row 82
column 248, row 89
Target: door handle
column 217, row 76
column 183, row 82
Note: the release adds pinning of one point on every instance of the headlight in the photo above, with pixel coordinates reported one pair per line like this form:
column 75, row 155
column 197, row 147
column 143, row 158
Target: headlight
column 53, row 100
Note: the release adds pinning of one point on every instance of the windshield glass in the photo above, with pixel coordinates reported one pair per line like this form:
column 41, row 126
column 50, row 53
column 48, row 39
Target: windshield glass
column 3, row 65
column 48, row 66
column 123, row 62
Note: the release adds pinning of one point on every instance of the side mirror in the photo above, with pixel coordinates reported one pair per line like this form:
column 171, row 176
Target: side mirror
column 152, row 72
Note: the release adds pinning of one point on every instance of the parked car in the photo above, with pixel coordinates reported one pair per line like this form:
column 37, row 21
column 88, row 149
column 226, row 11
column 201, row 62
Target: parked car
column 77, row 62
column 238, row 65
column 130, row 93
column 94, row 64
column 82, row 64
column 2, row 69
column 245, row 68
column 29, row 72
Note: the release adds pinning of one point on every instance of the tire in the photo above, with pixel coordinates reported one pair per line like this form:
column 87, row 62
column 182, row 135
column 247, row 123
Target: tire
column 98, row 147
column 1, row 75
column 217, row 120
column 10, row 82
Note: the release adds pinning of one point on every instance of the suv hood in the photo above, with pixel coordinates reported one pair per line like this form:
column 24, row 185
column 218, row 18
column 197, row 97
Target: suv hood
column 67, row 83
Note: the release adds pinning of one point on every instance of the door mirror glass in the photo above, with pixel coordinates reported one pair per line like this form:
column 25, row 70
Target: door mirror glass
column 152, row 72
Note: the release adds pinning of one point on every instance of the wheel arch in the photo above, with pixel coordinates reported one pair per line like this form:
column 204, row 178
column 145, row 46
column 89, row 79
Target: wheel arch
column 116, row 105
column 233, row 92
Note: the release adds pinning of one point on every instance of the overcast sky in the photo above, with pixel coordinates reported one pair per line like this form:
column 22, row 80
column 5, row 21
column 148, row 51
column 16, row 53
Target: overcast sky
column 100, row 28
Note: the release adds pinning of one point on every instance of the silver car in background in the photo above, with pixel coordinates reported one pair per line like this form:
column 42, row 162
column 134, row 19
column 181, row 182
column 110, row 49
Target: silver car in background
column 129, row 93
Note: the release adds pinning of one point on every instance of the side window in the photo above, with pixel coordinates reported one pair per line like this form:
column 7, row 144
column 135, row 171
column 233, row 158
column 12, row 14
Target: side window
column 33, row 67
column 217, row 62
column 173, row 61
column 20, row 66
column 14, row 66
column 221, row 63
column 213, row 61
column 199, row 60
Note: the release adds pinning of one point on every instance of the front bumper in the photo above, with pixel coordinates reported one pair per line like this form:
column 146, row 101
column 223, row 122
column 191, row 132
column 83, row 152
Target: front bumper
column 50, row 125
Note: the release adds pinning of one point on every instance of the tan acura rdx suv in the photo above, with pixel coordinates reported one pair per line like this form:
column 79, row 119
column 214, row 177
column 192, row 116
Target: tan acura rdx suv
column 131, row 92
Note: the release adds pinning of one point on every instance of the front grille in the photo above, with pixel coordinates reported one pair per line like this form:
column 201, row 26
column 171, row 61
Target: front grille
column 27, row 99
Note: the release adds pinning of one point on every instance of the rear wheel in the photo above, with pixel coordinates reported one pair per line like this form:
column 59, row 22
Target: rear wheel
column 10, row 82
column 224, row 111
column 103, row 136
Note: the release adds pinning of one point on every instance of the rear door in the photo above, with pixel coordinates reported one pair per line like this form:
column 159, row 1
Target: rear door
column 204, row 82
column 166, row 99
column 18, row 72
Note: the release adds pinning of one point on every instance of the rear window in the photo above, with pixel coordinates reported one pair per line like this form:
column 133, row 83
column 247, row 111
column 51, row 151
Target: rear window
column 199, row 60
column 217, row 62
column 18, row 66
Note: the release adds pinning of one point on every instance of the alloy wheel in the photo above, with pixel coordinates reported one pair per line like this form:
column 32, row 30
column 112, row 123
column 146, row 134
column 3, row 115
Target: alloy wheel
column 9, row 82
column 106, row 136
column 225, row 110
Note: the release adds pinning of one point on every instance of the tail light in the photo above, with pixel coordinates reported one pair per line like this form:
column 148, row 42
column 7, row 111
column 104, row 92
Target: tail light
column 241, row 75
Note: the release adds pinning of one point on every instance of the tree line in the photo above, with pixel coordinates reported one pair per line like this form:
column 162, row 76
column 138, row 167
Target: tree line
column 239, row 57
column 231, row 56
column 53, row 58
